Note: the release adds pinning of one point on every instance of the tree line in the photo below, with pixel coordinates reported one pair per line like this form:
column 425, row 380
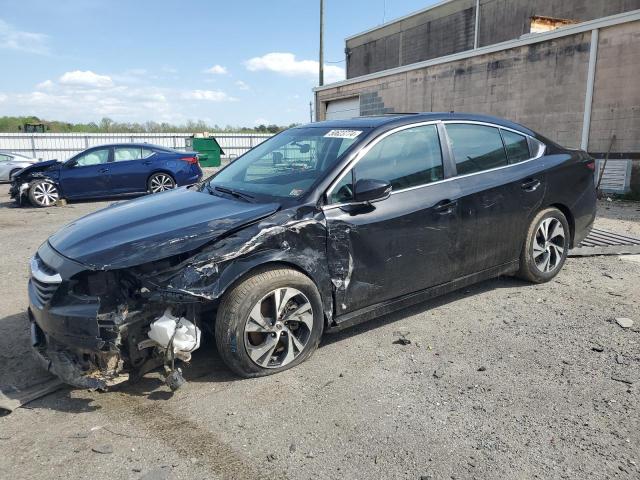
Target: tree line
column 107, row 125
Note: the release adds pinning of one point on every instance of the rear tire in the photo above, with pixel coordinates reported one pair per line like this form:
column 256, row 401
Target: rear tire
column 160, row 182
column 43, row 193
column 545, row 247
column 269, row 322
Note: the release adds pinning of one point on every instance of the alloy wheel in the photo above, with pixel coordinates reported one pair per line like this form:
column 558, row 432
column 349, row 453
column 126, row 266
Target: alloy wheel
column 278, row 328
column 45, row 193
column 549, row 244
column 160, row 183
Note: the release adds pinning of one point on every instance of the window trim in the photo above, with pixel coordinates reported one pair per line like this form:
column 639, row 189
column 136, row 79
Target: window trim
column 447, row 156
column 373, row 143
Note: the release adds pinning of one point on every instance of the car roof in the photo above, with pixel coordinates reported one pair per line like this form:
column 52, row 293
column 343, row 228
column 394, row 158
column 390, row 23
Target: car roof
column 133, row 145
column 391, row 120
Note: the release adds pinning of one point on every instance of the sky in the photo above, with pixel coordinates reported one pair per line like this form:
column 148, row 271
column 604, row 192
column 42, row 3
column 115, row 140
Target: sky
column 239, row 63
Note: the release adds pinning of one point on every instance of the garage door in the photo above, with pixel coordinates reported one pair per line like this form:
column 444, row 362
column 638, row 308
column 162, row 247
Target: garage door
column 343, row 108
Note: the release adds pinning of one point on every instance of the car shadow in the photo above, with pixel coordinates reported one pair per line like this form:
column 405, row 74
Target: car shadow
column 20, row 368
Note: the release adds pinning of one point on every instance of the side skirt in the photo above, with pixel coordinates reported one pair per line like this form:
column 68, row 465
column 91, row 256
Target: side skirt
column 378, row 309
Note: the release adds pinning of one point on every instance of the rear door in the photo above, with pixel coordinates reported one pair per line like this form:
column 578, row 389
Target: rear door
column 499, row 191
column 404, row 243
column 131, row 168
column 87, row 175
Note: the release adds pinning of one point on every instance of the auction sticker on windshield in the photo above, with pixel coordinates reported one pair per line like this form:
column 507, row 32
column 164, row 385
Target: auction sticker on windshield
column 343, row 133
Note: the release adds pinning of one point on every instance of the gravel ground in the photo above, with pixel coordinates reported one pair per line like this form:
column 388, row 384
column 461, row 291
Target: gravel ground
column 501, row 380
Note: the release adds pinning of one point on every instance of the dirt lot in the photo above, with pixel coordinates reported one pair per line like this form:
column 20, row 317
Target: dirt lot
column 502, row 380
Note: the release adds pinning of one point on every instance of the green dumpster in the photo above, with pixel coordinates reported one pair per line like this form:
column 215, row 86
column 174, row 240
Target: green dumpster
column 208, row 148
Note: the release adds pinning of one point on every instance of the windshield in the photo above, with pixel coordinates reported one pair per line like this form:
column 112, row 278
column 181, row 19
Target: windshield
column 287, row 165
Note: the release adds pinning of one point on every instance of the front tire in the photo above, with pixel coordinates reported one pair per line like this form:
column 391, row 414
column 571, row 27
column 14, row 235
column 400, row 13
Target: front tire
column 269, row 322
column 43, row 193
column 160, row 182
column 546, row 246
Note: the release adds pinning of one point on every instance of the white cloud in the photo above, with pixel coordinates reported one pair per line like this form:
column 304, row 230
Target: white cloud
column 3, row 97
column 286, row 64
column 208, row 95
column 261, row 121
column 217, row 70
column 86, row 78
column 242, row 86
column 46, row 85
column 14, row 39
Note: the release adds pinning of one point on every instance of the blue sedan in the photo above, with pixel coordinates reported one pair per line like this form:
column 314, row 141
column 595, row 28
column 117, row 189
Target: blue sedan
column 106, row 171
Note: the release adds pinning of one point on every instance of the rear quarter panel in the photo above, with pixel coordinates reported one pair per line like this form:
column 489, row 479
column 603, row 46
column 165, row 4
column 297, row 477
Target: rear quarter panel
column 571, row 187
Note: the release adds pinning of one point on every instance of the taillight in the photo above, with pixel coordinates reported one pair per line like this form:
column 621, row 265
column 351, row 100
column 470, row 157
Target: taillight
column 189, row 159
column 591, row 165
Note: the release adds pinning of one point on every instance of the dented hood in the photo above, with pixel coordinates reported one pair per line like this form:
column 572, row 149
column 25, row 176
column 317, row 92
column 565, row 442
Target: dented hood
column 153, row 227
column 38, row 167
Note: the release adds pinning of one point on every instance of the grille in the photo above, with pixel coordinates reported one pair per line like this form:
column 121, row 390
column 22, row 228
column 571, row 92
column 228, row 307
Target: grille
column 44, row 279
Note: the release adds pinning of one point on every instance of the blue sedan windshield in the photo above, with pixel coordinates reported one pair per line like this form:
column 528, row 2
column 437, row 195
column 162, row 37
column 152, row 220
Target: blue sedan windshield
column 288, row 164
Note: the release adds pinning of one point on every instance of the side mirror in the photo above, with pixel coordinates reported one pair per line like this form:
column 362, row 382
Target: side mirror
column 368, row 190
column 70, row 164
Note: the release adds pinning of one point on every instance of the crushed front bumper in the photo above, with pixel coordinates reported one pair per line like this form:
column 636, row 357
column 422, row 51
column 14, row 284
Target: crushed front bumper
column 70, row 336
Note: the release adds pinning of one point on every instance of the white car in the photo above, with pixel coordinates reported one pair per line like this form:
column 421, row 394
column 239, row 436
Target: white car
column 10, row 163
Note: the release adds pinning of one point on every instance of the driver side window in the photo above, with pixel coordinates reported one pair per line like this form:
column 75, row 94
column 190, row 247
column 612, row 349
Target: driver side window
column 95, row 157
column 405, row 159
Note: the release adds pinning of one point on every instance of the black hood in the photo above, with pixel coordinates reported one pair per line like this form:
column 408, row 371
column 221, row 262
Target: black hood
column 153, row 227
column 38, row 167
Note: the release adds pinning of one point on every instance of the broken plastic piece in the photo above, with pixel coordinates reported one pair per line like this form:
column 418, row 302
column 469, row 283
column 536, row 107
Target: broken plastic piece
column 175, row 379
column 180, row 332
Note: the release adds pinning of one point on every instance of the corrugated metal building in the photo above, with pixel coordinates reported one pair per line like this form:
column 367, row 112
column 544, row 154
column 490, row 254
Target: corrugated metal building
column 568, row 69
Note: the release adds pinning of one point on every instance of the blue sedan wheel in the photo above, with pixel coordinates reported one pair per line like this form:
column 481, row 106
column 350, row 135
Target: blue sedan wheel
column 159, row 182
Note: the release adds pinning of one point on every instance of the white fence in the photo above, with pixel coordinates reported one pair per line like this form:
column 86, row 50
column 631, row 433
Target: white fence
column 61, row 146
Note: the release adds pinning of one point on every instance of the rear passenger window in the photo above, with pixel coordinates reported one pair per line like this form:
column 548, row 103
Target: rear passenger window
column 146, row 153
column 123, row 154
column 405, row 159
column 516, row 145
column 476, row 147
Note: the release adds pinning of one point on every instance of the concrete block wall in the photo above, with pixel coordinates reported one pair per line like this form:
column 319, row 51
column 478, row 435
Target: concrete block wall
column 502, row 20
column 450, row 28
column 616, row 97
column 445, row 29
column 541, row 85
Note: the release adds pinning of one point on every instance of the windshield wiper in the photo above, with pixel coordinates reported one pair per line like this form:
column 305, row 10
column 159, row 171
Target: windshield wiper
column 234, row 193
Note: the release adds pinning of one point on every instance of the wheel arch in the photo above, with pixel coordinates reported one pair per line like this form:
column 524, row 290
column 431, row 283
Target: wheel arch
column 161, row 170
column 566, row 211
column 234, row 274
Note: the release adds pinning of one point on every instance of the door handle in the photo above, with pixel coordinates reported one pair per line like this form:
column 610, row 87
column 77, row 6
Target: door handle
column 445, row 206
column 530, row 185
column 103, row 170
column 147, row 162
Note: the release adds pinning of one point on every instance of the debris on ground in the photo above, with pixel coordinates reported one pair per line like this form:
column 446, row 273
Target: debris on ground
column 624, row 322
column 402, row 340
column 104, row 449
column 482, row 368
column 622, row 380
column 12, row 398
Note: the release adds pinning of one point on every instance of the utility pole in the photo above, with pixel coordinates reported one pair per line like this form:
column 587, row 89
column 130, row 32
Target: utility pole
column 311, row 112
column 321, row 72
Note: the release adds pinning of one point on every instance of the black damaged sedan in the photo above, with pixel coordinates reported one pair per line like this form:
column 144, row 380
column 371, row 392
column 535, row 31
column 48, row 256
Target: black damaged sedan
column 320, row 227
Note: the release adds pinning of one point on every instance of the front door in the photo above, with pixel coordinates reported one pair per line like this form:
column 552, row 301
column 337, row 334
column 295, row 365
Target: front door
column 399, row 245
column 86, row 175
